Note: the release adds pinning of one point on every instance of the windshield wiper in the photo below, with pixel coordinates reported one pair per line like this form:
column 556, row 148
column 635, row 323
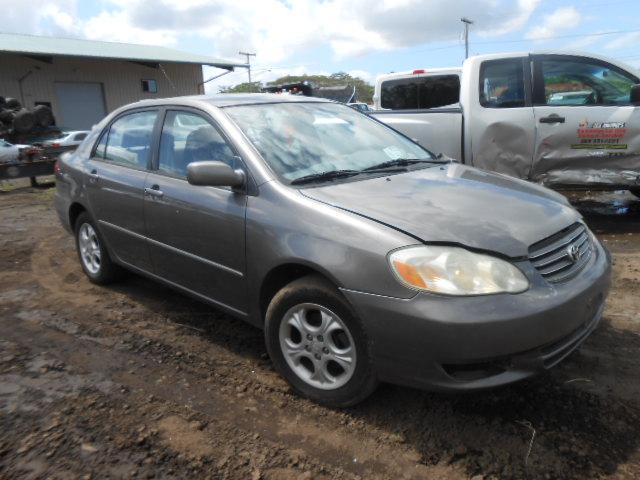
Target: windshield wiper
column 328, row 175
column 401, row 162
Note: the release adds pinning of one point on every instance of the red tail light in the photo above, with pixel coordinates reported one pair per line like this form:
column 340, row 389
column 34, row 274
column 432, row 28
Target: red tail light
column 416, row 72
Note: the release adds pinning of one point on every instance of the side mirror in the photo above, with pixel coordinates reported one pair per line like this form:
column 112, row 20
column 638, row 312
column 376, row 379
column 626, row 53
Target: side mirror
column 635, row 95
column 214, row 174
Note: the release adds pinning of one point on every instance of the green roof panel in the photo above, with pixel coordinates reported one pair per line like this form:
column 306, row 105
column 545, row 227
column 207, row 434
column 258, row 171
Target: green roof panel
column 76, row 47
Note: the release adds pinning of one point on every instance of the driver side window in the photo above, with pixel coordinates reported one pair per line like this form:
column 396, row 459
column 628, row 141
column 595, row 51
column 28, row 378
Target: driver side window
column 188, row 137
column 570, row 82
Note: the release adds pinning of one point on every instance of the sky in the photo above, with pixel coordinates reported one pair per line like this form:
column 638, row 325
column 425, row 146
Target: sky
column 362, row 37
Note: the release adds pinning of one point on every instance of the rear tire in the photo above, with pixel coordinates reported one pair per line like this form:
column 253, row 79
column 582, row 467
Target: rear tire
column 43, row 116
column 6, row 116
column 318, row 344
column 92, row 252
column 24, row 121
column 12, row 103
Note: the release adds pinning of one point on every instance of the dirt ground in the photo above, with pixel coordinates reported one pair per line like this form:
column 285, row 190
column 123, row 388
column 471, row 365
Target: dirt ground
column 137, row 381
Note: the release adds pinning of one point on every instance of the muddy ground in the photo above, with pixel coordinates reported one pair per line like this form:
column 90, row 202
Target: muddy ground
column 137, row 381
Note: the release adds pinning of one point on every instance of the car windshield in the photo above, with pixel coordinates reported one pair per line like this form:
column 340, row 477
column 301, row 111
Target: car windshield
column 305, row 139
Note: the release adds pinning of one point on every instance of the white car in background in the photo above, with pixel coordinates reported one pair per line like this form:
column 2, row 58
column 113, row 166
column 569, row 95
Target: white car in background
column 67, row 139
column 10, row 153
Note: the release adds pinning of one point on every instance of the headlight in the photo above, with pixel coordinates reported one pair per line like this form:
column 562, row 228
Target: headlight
column 455, row 271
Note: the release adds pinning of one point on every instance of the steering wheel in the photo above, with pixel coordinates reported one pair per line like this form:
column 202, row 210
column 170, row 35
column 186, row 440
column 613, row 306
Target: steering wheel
column 592, row 99
column 595, row 98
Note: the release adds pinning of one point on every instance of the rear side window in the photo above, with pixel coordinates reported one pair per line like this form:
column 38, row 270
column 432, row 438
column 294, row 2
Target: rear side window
column 101, row 148
column 128, row 141
column 84, row 149
column 420, row 92
column 79, row 137
column 502, row 84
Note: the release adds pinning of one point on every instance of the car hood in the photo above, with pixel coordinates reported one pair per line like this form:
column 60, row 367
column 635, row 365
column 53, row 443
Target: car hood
column 456, row 204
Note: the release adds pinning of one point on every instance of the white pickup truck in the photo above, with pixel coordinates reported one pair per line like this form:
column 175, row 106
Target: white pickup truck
column 563, row 120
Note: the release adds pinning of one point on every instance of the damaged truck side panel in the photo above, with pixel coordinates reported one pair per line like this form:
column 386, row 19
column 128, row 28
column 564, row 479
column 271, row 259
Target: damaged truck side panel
column 557, row 119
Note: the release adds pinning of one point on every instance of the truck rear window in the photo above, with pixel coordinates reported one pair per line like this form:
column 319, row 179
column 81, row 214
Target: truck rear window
column 420, row 92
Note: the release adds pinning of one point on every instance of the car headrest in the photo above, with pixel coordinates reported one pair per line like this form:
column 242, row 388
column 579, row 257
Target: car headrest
column 136, row 138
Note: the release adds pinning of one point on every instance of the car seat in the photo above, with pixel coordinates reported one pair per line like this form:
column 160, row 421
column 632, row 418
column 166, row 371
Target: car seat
column 206, row 144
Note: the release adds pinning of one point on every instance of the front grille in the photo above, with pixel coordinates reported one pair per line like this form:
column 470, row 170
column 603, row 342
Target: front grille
column 563, row 255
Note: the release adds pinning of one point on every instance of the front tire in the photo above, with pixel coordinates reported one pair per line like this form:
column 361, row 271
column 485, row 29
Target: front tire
column 94, row 257
column 318, row 344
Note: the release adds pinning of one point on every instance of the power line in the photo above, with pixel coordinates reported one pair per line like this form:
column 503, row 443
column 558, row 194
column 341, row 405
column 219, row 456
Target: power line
column 628, row 57
column 598, row 34
column 607, row 4
column 490, row 42
column 556, row 37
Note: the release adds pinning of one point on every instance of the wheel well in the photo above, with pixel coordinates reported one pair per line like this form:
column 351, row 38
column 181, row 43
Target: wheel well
column 278, row 278
column 74, row 212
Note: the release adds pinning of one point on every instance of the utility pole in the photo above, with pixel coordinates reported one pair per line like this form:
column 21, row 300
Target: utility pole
column 466, row 22
column 247, row 54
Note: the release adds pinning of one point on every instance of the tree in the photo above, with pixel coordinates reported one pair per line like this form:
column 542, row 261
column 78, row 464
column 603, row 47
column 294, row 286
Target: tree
column 364, row 91
column 246, row 87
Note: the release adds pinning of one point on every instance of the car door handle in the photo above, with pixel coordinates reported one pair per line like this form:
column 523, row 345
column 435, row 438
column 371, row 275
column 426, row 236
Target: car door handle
column 154, row 191
column 93, row 176
column 552, row 119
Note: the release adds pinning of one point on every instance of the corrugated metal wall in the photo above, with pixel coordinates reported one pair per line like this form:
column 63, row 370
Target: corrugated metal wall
column 121, row 80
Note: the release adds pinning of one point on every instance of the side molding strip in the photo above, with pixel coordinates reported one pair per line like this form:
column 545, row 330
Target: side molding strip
column 173, row 249
column 188, row 291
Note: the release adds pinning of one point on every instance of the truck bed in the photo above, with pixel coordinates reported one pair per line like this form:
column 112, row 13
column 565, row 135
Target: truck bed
column 438, row 130
column 27, row 168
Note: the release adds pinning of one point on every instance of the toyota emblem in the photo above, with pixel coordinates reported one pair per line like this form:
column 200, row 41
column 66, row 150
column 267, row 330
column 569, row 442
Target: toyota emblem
column 573, row 252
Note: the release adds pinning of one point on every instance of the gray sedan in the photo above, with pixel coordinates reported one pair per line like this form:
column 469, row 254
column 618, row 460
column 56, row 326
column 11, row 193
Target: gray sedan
column 363, row 256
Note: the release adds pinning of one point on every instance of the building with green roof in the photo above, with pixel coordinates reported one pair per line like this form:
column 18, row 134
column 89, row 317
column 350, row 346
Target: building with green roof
column 83, row 80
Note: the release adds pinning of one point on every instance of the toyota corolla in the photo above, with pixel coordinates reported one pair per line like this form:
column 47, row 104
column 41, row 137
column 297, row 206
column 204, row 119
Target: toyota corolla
column 363, row 256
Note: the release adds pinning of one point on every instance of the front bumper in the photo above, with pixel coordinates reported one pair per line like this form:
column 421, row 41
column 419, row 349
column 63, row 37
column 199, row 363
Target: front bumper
column 469, row 343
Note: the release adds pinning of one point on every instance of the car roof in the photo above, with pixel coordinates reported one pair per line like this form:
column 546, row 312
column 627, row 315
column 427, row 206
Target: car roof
column 576, row 53
column 424, row 72
column 231, row 99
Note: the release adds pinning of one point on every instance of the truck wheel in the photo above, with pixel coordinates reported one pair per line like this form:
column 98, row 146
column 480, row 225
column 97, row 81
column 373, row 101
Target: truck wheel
column 12, row 103
column 318, row 344
column 43, row 115
column 6, row 117
column 93, row 254
column 24, row 121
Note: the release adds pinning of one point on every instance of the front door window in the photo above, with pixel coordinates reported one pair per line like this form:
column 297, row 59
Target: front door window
column 188, row 137
column 570, row 82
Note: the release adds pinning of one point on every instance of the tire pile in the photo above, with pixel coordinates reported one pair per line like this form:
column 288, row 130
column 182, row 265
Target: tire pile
column 15, row 120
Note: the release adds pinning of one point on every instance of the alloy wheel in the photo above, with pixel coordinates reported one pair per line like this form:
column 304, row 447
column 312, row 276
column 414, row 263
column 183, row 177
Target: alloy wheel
column 89, row 248
column 317, row 346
